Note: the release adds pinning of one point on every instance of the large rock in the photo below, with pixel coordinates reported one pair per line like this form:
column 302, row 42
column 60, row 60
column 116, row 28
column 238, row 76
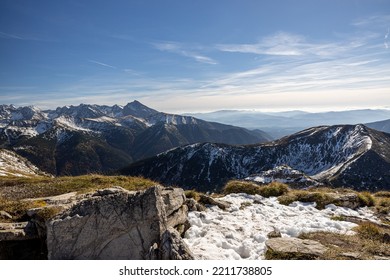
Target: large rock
column 115, row 224
column 349, row 200
column 172, row 247
column 294, row 248
column 205, row 199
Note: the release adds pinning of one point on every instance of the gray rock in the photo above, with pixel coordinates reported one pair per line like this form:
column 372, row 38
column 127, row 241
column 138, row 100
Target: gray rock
column 349, row 200
column 205, row 199
column 193, row 205
column 117, row 224
column 173, row 199
column 179, row 217
column 274, row 234
column 294, row 248
column 173, row 247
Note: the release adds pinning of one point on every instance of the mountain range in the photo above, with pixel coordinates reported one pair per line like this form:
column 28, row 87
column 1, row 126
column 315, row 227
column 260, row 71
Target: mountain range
column 279, row 124
column 343, row 155
column 74, row 140
column 381, row 125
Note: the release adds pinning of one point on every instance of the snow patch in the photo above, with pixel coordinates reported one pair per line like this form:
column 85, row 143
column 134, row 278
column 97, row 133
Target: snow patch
column 241, row 232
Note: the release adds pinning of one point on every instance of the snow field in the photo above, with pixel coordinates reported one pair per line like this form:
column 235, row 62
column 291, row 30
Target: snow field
column 241, row 231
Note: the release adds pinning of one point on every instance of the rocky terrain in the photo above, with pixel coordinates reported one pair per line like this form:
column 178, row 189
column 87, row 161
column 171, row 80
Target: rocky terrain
column 343, row 155
column 157, row 222
column 110, row 223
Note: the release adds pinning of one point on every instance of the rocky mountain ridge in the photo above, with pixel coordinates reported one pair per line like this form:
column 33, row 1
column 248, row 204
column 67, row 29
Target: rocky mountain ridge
column 73, row 140
column 345, row 155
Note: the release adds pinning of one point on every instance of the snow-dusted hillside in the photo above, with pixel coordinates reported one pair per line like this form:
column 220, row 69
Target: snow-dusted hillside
column 241, row 231
column 12, row 164
column 349, row 155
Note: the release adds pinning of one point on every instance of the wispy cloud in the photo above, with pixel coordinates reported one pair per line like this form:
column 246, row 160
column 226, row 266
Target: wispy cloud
column 372, row 21
column 102, row 64
column 180, row 50
column 284, row 44
column 291, row 71
column 10, row 36
column 288, row 44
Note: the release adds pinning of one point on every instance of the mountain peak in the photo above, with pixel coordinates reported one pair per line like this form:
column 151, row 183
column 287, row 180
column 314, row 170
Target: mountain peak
column 138, row 109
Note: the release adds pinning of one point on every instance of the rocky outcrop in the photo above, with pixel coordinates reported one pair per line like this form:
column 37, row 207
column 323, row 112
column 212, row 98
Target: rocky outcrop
column 112, row 223
column 294, row 248
column 349, row 200
column 172, row 247
column 205, row 199
column 116, row 224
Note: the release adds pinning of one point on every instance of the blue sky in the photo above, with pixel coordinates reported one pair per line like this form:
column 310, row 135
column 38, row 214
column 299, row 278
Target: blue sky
column 193, row 56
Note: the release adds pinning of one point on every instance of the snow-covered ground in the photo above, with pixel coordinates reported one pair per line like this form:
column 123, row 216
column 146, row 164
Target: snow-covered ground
column 241, row 231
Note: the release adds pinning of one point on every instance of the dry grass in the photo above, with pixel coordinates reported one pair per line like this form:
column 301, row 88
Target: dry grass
column 382, row 194
column 192, row 194
column 320, row 198
column 272, row 189
column 21, row 188
column 382, row 202
column 13, row 190
column 367, row 244
column 366, row 199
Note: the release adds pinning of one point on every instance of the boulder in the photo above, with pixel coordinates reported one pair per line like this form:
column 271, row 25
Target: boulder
column 205, row 199
column 294, row 248
column 173, row 247
column 274, row 234
column 118, row 224
column 173, row 199
column 193, row 205
column 179, row 217
column 349, row 200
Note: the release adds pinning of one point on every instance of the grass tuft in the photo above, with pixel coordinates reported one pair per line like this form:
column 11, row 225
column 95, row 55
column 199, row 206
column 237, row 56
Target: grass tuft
column 366, row 199
column 368, row 230
column 192, row 194
column 272, row 189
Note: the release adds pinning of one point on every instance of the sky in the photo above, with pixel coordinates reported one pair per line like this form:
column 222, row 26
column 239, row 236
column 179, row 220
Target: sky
column 196, row 56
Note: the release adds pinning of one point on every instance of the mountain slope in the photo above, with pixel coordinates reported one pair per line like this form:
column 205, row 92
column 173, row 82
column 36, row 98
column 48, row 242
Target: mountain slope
column 348, row 155
column 381, row 125
column 12, row 164
column 74, row 140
